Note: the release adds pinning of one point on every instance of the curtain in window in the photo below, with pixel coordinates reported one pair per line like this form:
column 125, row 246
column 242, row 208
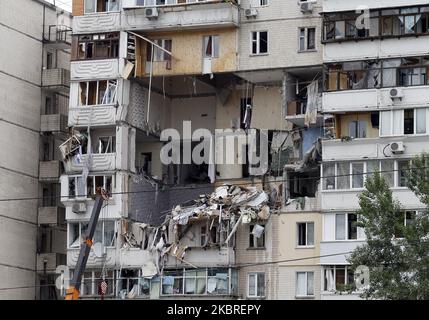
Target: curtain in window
column 343, row 175
column 301, row 284
column 329, row 176
column 340, row 222
column 310, row 234
column 421, row 121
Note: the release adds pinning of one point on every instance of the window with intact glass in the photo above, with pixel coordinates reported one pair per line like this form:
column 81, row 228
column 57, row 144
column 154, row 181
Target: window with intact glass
column 357, row 175
column 329, row 176
column 343, row 175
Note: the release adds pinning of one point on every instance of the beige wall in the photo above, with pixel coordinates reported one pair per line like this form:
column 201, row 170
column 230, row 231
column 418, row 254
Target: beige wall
column 187, row 49
column 288, row 238
column 245, row 255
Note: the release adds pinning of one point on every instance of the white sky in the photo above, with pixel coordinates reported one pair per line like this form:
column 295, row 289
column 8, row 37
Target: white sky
column 63, row 4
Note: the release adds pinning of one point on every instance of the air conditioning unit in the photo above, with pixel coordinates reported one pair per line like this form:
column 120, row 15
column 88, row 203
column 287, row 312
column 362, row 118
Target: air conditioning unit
column 396, row 93
column 151, row 13
column 79, row 207
column 397, row 147
column 251, row 12
column 306, row 6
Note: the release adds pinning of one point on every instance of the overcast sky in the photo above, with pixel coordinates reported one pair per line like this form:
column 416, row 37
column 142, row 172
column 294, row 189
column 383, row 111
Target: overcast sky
column 64, row 4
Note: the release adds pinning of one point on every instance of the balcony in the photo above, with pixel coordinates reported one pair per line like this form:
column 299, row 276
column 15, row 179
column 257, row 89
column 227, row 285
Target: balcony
column 207, row 14
column 58, row 37
column 373, row 99
column 100, row 162
column 49, row 171
column 108, row 259
column 99, row 115
column 57, row 80
column 337, row 247
column 351, row 5
column 372, row 148
column 203, row 257
column 95, row 69
column 304, row 204
column 100, row 22
column 52, row 216
column 49, row 261
column 348, row 200
column 53, row 123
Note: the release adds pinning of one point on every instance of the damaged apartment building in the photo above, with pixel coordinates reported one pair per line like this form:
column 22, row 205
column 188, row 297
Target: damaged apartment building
column 140, row 67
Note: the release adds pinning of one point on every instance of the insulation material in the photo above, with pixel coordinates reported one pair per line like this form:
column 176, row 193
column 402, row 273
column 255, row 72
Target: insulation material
column 312, row 102
column 258, row 231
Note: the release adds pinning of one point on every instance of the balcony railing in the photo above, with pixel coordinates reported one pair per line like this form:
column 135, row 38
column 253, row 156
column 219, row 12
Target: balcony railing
column 201, row 14
column 52, row 216
column 58, row 36
column 49, row 171
column 56, row 79
column 53, row 123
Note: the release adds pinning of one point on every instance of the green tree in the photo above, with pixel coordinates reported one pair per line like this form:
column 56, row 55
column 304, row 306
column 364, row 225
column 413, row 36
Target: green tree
column 396, row 254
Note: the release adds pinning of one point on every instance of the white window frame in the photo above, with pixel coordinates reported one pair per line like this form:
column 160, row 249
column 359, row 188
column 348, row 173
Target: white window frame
column 307, row 295
column 334, row 268
column 258, row 43
column 95, row 7
column 305, row 38
column 85, row 184
column 215, row 46
column 102, row 221
column 306, row 245
column 110, row 84
column 259, row 3
column 346, row 229
column 256, row 275
column 352, row 175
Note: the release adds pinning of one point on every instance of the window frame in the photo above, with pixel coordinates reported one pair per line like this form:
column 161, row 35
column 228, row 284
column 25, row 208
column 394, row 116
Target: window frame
column 307, row 295
column 258, row 43
column 256, row 276
column 346, row 227
column 306, row 245
column 306, row 38
column 253, row 241
column 107, row 7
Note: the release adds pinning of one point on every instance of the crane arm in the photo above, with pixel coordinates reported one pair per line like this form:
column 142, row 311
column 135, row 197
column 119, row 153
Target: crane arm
column 85, row 249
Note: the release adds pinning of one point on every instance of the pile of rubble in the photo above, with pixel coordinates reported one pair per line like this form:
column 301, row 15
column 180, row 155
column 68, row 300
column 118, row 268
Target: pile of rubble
column 233, row 203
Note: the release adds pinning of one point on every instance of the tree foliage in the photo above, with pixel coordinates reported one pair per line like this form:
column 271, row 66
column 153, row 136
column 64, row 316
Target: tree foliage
column 396, row 254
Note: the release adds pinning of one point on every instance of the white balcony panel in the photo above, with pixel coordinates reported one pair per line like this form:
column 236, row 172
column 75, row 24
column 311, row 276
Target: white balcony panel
column 95, row 69
column 372, row 148
column 310, row 205
column 135, row 258
column 337, row 247
column 94, row 116
column 352, row 5
column 373, row 99
column 348, row 201
column 201, row 257
column 193, row 16
column 92, row 23
column 93, row 261
column 100, row 162
column 350, row 100
column 375, row 49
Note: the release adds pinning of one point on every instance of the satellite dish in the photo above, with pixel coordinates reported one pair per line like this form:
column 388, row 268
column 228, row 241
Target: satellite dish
column 98, row 249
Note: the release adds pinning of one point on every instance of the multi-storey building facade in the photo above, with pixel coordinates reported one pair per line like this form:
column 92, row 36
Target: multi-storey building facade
column 34, row 85
column 375, row 89
column 139, row 67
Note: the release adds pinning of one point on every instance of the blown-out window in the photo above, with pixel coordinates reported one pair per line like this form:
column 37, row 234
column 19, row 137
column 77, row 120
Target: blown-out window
column 96, row 46
column 97, row 92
